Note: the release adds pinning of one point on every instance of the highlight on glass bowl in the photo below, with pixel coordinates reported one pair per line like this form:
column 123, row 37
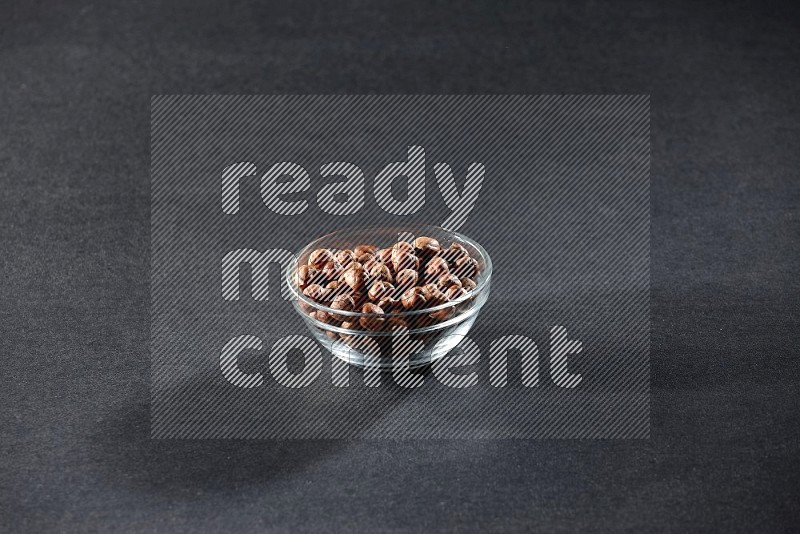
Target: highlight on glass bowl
column 391, row 296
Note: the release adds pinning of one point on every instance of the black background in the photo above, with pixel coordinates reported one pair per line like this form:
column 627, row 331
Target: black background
column 75, row 87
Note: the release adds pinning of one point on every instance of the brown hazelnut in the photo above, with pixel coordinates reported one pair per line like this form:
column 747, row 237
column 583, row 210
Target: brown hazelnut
column 354, row 277
column 421, row 321
column 360, row 299
column 379, row 271
column 426, row 246
column 305, row 276
column 396, row 323
column 331, row 270
column 413, row 298
column 364, row 252
column 406, row 278
column 320, row 257
column 447, row 280
column 338, row 288
column 369, row 264
column 466, row 267
column 384, row 255
column 388, row 304
column 325, row 317
column 468, row 284
column 344, row 258
column 342, row 303
column 354, row 324
column 404, row 260
column 454, row 293
column 400, row 251
column 435, row 269
column 380, row 289
column 333, row 336
column 402, row 246
column 373, row 322
column 315, row 292
column 443, row 314
column 433, row 295
column 454, row 253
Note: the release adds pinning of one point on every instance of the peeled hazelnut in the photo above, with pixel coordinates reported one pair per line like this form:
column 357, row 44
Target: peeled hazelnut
column 402, row 246
column 426, row 246
column 396, row 323
column 375, row 322
column 305, row 276
column 454, row 253
column 320, row 257
column 468, row 284
column 343, row 303
column 436, row 268
column 325, row 317
column 454, row 293
column 369, row 263
column 443, row 314
column 433, row 295
column 421, row 321
column 379, row 271
column 413, row 298
column 406, row 278
column 360, row 299
column 379, row 290
column 466, row 268
column 333, row 336
column 315, row 292
column 364, row 252
column 338, row 288
column 331, row 270
column 402, row 254
column 388, row 304
column 447, row 280
column 351, row 325
column 384, row 255
column 404, row 260
column 344, row 258
column 354, row 277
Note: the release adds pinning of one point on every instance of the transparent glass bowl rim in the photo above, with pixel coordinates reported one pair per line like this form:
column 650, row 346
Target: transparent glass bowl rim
column 418, row 230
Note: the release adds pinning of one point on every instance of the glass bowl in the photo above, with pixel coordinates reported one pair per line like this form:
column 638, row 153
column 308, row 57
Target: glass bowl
column 412, row 338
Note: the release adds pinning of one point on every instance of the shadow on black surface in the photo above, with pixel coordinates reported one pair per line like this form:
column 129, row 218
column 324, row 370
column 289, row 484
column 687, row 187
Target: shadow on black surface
column 174, row 467
column 180, row 466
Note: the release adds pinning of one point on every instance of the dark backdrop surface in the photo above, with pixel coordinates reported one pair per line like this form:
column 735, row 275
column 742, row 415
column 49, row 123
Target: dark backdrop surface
column 75, row 86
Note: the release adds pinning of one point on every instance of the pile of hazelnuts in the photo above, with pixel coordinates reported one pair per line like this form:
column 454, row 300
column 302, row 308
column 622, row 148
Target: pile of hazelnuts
column 385, row 282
